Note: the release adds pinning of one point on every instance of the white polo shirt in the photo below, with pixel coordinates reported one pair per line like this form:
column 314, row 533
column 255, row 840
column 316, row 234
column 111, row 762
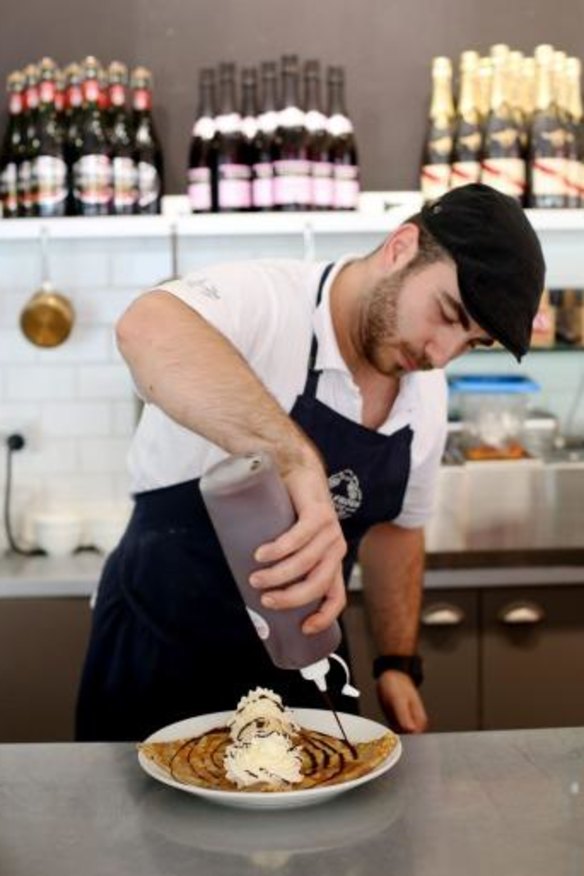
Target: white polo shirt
column 266, row 309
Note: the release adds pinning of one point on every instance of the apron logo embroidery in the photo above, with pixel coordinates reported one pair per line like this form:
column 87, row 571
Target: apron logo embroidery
column 345, row 493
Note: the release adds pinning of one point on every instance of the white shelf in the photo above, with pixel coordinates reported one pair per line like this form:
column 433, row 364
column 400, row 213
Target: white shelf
column 379, row 213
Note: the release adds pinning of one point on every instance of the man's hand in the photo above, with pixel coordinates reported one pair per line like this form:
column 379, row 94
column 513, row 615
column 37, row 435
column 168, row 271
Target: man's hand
column 401, row 702
column 309, row 554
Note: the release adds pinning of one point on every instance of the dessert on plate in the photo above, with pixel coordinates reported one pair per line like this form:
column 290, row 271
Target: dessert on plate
column 263, row 748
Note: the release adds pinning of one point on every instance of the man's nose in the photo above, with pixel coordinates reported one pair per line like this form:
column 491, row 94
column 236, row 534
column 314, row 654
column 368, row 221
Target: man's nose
column 444, row 350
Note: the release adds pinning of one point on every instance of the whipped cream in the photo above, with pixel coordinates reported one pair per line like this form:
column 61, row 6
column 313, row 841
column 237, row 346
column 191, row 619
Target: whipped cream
column 263, row 734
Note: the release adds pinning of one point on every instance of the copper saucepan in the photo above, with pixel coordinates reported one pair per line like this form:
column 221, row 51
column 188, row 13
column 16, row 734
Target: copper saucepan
column 48, row 317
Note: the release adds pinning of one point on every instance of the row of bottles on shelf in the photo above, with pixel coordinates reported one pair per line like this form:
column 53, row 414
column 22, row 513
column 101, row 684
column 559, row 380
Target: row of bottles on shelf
column 73, row 145
column 281, row 152
column 517, row 127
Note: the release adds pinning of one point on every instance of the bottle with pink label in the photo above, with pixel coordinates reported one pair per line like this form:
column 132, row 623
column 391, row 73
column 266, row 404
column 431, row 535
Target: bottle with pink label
column 344, row 155
column 263, row 143
column 249, row 505
column 292, row 177
column 202, row 147
column 232, row 177
column 319, row 141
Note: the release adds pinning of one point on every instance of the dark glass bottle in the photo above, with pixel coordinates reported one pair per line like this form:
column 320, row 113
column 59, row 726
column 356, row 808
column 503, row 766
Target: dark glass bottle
column 344, row 152
column 437, row 152
column 27, row 184
column 468, row 140
column 49, row 167
column 121, row 140
column 12, row 149
column 547, row 144
column 92, row 168
column 147, row 148
column 319, row 141
column 292, row 182
column 72, row 126
column 249, row 118
column 202, row 146
column 232, row 172
column 503, row 164
column 263, row 144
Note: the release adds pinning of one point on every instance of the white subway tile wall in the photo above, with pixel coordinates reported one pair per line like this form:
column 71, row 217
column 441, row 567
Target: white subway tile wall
column 75, row 403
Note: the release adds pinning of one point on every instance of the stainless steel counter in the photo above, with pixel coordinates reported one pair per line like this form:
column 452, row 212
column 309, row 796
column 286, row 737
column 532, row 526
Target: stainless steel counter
column 490, row 804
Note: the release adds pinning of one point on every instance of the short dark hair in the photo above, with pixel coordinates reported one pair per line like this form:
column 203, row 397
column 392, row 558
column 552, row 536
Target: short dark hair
column 429, row 250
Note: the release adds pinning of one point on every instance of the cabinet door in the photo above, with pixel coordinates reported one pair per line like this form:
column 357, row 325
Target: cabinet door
column 533, row 657
column 449, row 644
column 42, row 646
column 360, row 642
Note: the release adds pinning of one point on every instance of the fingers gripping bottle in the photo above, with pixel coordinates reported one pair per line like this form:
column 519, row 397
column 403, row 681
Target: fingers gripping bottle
column 249, row 505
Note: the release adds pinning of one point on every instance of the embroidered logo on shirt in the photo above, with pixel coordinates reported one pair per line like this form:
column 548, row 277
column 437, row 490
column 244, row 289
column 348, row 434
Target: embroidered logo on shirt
column 345, row 493
column 204, row 286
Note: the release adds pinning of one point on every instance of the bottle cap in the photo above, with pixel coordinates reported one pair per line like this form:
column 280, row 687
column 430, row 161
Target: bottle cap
column 316, row 672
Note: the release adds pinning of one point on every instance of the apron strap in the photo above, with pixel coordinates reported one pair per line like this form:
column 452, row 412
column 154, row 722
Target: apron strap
column 311, row 384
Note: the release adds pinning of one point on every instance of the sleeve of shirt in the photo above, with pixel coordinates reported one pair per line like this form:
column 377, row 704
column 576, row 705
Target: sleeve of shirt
column 430, row 432
column 234, row 298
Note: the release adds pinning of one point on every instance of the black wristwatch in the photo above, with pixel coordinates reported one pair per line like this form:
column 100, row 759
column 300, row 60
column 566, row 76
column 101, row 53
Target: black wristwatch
column 412, row 666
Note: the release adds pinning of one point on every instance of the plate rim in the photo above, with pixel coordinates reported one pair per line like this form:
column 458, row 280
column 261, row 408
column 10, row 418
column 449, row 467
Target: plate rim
column 272, row 798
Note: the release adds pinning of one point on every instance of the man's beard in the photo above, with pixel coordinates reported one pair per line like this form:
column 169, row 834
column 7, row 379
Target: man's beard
column 379, row 336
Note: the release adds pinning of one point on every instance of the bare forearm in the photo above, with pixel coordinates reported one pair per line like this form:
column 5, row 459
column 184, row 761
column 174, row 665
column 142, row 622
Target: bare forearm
column 392, row 563
column 194, row 374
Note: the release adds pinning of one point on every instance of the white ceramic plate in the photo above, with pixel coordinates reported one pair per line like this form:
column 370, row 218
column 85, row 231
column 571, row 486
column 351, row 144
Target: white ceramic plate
column 357, row 729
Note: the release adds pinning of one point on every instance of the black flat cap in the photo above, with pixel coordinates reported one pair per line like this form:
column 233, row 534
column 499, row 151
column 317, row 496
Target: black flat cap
column 500, row 265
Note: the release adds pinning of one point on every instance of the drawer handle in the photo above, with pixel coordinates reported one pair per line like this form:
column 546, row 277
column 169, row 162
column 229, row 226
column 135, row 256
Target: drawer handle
column 521, row 613
column 442, row 614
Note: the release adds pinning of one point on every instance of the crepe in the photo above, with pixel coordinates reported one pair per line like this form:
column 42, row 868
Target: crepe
column 326, row 760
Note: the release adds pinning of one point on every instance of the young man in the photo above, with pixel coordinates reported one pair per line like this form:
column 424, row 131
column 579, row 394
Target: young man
column 336, row 371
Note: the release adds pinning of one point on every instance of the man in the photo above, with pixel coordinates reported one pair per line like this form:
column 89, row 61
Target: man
column 336, row 371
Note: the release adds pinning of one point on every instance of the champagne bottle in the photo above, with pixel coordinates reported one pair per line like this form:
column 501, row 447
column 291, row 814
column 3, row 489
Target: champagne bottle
column 484, row 84
column 292, row 185
column 121, row 139
column 319, row 141
column 515, row 83
column 147, row 148
column 13, row 145
column 575, row 134
column 343, row 151
column 27, row 183
column 232, row 173
column 503, row 164
column 547, row 152
column 202, row 145
column 437, row 154
column 264, row 142
column 92, row 169
column 466, row 152
column 48, row 167
column 72, row 127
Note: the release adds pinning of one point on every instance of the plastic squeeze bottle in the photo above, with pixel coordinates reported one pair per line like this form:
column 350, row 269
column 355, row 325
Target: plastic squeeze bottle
column 249, row 505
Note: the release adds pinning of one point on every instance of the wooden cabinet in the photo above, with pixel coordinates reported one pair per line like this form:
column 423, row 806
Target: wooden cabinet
column 494, row 658
column 42, row 646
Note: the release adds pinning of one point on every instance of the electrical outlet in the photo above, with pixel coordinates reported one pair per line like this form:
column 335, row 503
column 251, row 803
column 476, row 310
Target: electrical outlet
column 28, row 429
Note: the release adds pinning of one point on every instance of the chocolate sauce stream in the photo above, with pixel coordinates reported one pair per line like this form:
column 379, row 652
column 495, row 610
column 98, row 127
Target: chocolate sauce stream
column 329, row 704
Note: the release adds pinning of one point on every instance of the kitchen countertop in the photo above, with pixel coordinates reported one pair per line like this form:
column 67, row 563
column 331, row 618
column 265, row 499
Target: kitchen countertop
column 77, row 575
column 505, row 803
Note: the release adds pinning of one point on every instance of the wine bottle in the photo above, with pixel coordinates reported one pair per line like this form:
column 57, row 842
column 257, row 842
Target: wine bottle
column 232, row 173
column 437, row 153
column 27, row 183
column 343, row 151
column 575, row 139
column 319, row 141
column 121, row 139
column 202, row 145
column 263, row 145
column 92, row 169
column 292, row 184
column 147, row 149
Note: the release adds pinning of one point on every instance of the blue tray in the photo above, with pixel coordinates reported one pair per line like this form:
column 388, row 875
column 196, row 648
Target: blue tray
column 493, row 383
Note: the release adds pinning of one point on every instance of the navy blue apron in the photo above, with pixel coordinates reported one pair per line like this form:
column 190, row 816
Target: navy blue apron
column 170, row 635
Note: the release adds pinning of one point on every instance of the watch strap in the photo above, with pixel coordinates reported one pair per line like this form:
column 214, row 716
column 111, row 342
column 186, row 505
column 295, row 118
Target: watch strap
column 410, row 665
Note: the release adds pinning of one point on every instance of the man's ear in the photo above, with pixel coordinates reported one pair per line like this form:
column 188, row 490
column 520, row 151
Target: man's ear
column 400, row 247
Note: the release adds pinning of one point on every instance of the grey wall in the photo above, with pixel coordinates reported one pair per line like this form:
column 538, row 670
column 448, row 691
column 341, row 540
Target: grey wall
column 385, row 45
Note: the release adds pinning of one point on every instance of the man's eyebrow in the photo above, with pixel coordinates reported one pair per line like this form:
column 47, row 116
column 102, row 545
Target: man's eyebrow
column 463, row 316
